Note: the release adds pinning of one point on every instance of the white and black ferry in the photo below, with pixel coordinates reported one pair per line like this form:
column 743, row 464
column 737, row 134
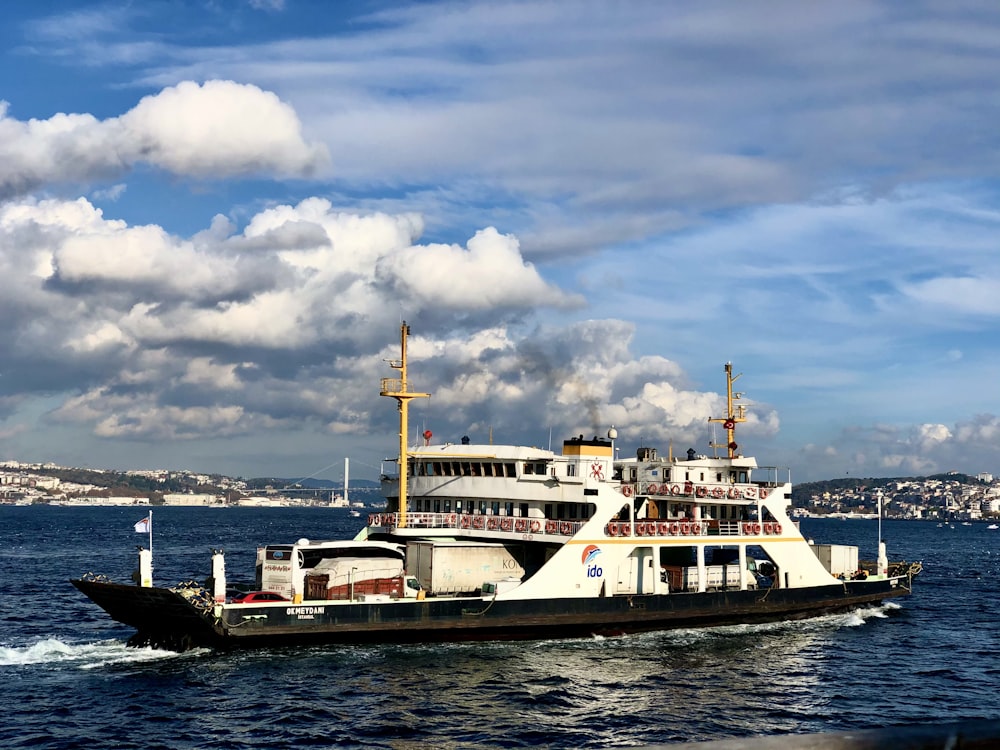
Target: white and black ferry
column 486, row 542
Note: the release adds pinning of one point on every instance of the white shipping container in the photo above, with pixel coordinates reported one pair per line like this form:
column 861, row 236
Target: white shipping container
column 838, row 559
column 459, row 567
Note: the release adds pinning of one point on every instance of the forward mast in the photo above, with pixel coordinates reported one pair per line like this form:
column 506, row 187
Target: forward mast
column 398, row 388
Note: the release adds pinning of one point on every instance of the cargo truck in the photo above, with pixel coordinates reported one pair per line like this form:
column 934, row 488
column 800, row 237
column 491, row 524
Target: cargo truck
column 449, row 568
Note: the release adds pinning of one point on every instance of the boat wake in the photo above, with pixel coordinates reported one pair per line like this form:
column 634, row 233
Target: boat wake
column 52, row 651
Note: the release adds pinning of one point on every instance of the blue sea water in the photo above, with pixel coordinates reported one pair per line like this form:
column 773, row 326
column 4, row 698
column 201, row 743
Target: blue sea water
column 67, row 680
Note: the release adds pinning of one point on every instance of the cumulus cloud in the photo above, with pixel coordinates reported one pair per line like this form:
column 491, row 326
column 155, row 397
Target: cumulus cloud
column 229, row 332
column 213, row 130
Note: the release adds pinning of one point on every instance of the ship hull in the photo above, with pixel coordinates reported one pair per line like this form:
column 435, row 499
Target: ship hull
column 164, row 618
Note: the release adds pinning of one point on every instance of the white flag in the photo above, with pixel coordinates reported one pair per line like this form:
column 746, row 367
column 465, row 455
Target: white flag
column 143, row 526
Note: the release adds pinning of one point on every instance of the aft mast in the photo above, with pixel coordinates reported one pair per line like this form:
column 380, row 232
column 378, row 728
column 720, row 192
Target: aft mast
column 734, row 413
column 398, row 388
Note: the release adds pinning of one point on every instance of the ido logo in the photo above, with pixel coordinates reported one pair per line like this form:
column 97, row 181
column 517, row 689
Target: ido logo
column 589, row 557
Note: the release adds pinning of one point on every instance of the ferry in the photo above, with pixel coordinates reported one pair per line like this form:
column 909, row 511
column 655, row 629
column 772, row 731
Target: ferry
column 487, row 542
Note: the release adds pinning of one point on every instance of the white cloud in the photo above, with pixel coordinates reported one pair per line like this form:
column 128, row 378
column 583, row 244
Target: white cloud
column 215, row 130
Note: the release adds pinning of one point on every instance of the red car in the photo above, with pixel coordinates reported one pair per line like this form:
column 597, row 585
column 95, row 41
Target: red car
column 259, row 596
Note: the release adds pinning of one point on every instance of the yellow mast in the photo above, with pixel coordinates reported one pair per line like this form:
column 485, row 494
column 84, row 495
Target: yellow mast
column 734, row 413
column 397, row 388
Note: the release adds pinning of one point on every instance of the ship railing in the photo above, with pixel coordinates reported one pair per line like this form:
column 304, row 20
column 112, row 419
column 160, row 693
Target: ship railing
column 686, row 527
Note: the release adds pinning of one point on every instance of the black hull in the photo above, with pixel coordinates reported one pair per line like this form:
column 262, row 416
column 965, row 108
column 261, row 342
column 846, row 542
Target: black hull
column 164, row 618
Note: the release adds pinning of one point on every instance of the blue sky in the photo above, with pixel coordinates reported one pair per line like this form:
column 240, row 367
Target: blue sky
column 214, row 215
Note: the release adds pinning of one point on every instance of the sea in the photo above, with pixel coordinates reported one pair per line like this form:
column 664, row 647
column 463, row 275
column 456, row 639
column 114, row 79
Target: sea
column 67, row 679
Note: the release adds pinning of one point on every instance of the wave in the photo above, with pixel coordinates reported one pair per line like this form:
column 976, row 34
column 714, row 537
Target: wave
column 52, row 651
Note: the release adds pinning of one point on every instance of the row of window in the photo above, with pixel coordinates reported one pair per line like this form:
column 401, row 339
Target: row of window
column 557, row 511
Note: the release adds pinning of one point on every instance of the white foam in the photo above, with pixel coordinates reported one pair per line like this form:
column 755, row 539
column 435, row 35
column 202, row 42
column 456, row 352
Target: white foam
column 52, row 651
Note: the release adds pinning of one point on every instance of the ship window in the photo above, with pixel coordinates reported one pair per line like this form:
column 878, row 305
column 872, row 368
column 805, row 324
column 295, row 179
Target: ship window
column 560, row 511
column 523, row 510
column 447, row 506
column 456, row 469
column 495, row 509
column 508, row 509
column 511, row 470
column 437, row 506
column 548, row 510
column 482, row 506
column 743, row 477
column 571, row 470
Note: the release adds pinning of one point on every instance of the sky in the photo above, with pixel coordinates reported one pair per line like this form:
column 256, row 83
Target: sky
column 215, row 214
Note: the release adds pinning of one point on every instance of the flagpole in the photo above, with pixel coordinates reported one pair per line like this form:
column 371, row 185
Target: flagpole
column 150, row 529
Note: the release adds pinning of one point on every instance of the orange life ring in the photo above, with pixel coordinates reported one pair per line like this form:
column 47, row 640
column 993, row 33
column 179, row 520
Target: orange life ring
column 465, row 522
column 701, row 491
column 535, row 527
column 478, row 522
column 493, row 523
column 627, row 490
column 675, row 490
column 718, row 492
column 506, row 523
column 685, row 528
column 756, row 528
column 612, row 529
column 747, row 529
column 696, row 528
column 565, row 528
column 551, row 527
column 763, row 492
column 451, row 520
column 734, row 493
column 675, row 528
column 521, row 524
column 662, row 529
column 652, row 489
column 777, row 528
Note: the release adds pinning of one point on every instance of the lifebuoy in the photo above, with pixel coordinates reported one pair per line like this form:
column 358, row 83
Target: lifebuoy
column 750, row 493
column 371, row 519
column 493, row 523
column 612, row 529
column 777, row 528
column 756, row 528
column 521, row 524
column 763, row 492
column 625, row 529
column 718, row 492
column 565, row 528
column 675, row 490
column 535, row 527
column 451, row 520
column 627, row 490
column 551, row 527
column 477, row 522
column 747, row 528
column 685, row 528
column 701, row 491
column 662, row 528
column 675, row 528
column 506, row 524
column 696, row 528
column 465, row 522
column 733, row 493
column 652, row 489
